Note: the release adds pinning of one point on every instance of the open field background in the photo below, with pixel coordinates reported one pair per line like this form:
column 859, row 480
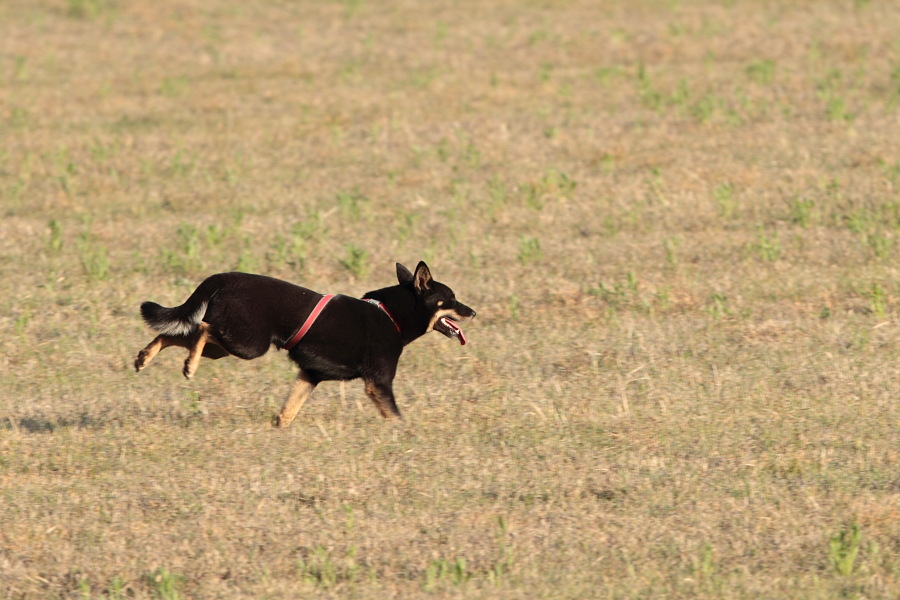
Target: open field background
column 678, row 222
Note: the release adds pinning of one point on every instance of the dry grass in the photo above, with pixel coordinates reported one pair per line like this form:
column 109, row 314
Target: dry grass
column 677, row 221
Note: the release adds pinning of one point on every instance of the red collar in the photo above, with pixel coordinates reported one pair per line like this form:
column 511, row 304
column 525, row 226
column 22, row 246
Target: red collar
column 386, row 311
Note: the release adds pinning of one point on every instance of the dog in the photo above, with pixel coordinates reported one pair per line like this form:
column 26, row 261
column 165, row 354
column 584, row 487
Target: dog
column 329, row 337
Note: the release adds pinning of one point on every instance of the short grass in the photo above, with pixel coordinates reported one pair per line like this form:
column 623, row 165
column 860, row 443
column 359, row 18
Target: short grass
column 678, row 222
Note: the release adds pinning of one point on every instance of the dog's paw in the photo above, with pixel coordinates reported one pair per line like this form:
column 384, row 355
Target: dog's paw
column 141, row 361
column 187, row 371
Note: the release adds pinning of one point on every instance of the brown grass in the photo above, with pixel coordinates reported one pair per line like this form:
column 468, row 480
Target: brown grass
column 678, row 223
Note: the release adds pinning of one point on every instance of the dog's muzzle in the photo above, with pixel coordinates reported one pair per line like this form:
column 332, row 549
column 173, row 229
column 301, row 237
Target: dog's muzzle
column 448, row 323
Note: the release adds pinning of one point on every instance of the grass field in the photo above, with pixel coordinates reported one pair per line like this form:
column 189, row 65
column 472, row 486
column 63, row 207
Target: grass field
column 678, row 222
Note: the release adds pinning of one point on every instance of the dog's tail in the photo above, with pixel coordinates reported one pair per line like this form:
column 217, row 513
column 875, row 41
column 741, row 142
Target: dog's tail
column 180, row 320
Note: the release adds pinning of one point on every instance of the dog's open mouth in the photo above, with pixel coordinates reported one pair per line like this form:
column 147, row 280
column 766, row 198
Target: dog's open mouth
column 448, row 327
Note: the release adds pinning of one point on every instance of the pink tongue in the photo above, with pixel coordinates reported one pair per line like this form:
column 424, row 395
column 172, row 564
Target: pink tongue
column 455, row 329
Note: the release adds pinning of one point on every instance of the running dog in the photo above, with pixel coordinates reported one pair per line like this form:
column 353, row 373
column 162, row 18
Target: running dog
column 330, row 337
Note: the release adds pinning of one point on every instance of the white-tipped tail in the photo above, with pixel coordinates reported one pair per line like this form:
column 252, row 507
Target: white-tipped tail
column 172, row 321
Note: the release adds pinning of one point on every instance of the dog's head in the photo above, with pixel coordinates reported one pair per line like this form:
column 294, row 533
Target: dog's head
column 444, row 310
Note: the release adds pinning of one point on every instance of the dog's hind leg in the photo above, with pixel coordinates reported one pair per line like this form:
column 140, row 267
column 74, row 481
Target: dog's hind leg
column 382, row 394
column 211, row 350
column 160, row 342
column 301, row 390
column 200, row 339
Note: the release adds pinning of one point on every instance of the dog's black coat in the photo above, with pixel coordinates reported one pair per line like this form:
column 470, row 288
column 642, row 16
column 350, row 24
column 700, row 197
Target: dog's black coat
column 245, row 314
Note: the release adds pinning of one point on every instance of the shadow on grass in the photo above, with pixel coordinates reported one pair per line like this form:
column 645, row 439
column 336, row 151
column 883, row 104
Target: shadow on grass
column 47, row 425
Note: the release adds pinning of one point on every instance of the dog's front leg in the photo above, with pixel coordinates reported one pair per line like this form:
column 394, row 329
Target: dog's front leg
column 382, row 394
column 303, row 387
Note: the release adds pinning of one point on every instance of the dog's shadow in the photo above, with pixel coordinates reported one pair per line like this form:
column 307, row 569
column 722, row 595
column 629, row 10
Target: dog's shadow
column 39, row 424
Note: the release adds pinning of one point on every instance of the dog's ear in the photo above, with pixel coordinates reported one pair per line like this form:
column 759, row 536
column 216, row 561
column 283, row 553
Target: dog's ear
column 404, row 275
column 422, row 277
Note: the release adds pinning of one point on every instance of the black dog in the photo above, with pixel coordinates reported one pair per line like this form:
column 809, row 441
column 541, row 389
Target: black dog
column 241, row 314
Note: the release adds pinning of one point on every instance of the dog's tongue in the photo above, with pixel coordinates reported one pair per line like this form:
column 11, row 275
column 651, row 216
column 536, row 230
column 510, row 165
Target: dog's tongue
column 455, row 329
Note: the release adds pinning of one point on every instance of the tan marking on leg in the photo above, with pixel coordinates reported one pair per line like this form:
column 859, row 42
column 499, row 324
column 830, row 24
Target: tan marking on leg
column 160, row 342
column 301, row 390
column 383, row 397
column 201, row 336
